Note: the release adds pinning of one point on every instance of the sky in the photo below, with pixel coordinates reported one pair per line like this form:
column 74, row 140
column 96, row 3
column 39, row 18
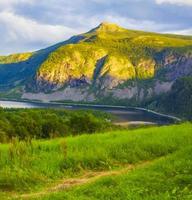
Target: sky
column 28, row 25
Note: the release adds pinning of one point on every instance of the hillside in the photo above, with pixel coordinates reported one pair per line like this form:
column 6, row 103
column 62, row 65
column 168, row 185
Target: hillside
column 108, row 64
column 149, row 163
column 15, row 58
column 178, row 100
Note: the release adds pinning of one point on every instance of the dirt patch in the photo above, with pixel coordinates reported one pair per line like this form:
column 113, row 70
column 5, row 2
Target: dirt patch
column 88, row 177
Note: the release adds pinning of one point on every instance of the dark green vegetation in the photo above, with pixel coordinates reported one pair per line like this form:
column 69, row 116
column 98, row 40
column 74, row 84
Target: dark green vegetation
column 30, row 166
column 179, row 99
column 47, row 123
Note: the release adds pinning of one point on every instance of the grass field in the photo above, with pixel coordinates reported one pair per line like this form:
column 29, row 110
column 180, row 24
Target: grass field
column 165, row 179
column 30, row 167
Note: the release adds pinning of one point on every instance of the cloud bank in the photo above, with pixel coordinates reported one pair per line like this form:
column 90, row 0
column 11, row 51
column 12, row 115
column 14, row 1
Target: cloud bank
column 27, row 25
column 178, row 2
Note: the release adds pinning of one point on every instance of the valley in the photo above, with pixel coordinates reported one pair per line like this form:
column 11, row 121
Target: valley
column 103, row 115
column 96, row 100
column 122, row 114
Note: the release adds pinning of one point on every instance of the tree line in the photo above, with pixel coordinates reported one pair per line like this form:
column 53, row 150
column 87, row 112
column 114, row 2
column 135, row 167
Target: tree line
column 49, row 123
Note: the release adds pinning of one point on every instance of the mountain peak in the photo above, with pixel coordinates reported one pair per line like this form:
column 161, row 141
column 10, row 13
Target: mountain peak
column 107, row 27
column 107, row 24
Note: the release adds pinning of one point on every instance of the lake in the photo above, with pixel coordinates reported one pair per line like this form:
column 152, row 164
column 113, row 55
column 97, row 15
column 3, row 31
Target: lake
column 122, row 114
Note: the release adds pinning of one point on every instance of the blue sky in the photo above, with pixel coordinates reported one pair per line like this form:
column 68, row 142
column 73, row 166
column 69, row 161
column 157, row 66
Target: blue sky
column 27, row 25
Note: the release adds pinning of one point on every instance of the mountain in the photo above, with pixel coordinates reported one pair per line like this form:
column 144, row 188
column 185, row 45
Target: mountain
column 108, row 64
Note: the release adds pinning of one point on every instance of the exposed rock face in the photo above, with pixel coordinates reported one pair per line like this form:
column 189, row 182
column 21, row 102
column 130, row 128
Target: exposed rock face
column 82, row 81
column 127, row 93
column 139, row 93
column 181, row 67
column 163, row 87
column 69, row 94
column 106, row 82
column 176, row 65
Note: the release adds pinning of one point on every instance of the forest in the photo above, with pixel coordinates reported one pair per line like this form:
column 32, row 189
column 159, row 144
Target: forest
column 49, row 123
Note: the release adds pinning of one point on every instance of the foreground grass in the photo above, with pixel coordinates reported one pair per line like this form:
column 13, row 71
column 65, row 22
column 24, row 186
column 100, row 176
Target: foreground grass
column 168, row 178
column 31, row 166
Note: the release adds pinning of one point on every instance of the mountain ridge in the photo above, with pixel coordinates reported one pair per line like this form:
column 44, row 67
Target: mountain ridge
column 107, row 64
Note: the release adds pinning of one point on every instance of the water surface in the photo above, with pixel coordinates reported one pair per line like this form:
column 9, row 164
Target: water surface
column 122, row 114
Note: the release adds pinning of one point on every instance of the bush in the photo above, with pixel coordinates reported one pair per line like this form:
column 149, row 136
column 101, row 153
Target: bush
column 86, row 123
column 49, row 123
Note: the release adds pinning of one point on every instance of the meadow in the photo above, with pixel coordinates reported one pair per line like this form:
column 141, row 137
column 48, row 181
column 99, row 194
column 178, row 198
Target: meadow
column 160, row 158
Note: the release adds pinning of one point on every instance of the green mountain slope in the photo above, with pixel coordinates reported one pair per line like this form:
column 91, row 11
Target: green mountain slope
column 15, row 58
column 108, row 64
column 19, row 69
column 179, row 99
column 118, row 53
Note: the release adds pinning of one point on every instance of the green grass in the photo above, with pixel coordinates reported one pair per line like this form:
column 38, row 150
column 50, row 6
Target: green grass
column 31, row 166
column 168, row 178
column 15, row 58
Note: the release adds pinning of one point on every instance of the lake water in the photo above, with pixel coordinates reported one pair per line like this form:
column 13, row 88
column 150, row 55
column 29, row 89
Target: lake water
column 122, row 114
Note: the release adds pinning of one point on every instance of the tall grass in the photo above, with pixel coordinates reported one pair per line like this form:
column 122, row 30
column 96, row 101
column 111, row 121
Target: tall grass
column 169, row 178
column 32, row 165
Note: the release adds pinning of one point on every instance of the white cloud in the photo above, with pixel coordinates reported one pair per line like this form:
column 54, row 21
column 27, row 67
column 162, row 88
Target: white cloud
column 182, row 32
column 20, row 27
column 9, row 4
column 129, row 23
column 177, row 2
column 34, row 24
column 16, row 29
column 19, row 33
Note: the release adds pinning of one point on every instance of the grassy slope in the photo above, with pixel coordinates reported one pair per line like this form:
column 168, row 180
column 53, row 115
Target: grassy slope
column 168, row 178
column 15, row 58
column 31, row 167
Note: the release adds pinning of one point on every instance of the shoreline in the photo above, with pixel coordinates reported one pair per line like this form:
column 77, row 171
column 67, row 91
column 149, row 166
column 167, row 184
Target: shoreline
column 101, row 106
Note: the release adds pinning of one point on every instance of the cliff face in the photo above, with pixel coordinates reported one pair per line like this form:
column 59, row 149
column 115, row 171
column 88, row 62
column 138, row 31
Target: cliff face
column 115, row 78
column 108, row 63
